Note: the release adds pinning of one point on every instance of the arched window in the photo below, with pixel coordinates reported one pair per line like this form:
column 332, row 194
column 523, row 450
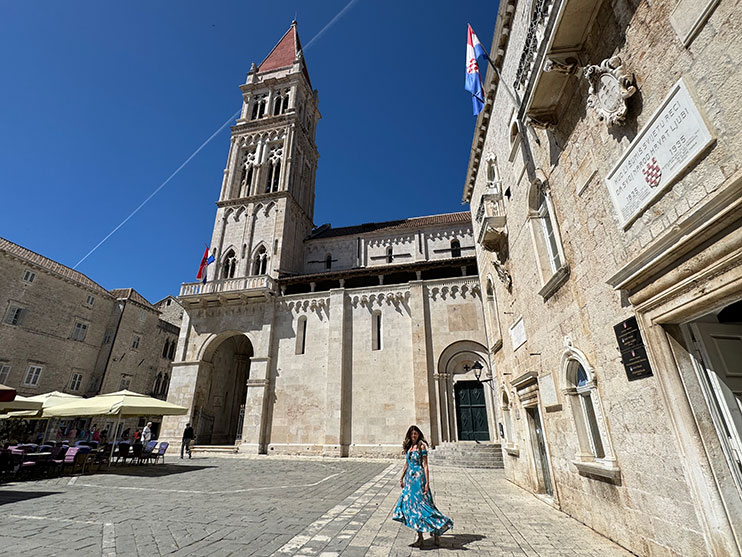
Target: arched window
column 581, row 387
column 491, row 312
column 171, row 352
column 581, row 391
column 258, row 107
column 280, row 102
column 260, row 261
column 389, row 254
column 376, row 330
column 328, row 262
column 274, row 175
column 229, row 265
column 547, row 242
column 547, row 229
column 158, row 383
column 165, row 348
column 301, row 334
column 455, row 248
column 165, row 384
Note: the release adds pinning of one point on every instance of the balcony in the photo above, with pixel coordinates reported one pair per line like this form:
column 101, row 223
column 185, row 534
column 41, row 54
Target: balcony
column 227, row 290
column 492, row 233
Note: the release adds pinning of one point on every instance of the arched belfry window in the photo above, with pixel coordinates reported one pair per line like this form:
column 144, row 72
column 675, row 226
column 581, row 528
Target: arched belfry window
column 259, row 104
column 260, row 261
column 455, row 248
column 280, row 102
column 581, row 391
column 301, row 334
column 246, row 173
column 546, row 239
column 390, row 254
column 328, row 262
column 229, row 265
column 273, row 175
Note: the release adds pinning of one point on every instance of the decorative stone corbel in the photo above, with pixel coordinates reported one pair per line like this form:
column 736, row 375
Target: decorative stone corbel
column 610, row 86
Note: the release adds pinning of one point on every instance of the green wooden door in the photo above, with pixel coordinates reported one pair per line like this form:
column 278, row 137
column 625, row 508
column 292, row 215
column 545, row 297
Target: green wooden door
column 471, row 411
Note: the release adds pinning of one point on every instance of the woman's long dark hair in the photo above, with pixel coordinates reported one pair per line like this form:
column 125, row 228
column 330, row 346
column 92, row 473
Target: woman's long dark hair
column 408, row 438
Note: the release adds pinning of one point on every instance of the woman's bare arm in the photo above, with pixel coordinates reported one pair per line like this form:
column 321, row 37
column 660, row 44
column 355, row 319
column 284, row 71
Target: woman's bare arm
column 424, row 447
column 404, row 471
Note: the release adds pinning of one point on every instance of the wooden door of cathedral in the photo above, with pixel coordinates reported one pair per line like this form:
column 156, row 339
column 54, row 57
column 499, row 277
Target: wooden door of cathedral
column 471, row 411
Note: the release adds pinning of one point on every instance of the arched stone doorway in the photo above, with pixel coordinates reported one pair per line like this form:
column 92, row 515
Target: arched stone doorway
column 222, row 389
column 466, row 405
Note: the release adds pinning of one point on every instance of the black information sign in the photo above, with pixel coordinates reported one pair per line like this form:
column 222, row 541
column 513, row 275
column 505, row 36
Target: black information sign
column 633, row 353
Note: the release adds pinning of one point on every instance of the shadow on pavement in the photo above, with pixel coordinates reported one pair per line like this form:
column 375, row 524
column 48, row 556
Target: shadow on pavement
column 453, row 542
column 7, row 497
column 151, row 471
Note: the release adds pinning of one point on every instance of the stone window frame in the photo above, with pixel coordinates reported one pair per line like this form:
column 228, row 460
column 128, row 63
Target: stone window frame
column 390, row 254
column 79, row 330
column 376, row 331
column 30, row 380
column 171, row 352
column 510, row 446
column 29, row 276
column 75, row 381
column 260, row 260
column 328, row 261
column 586, row 406
column 5, row 369
column 15, row 315
column 228, row 266
column 89, row 300
column 136, row 340
column 547, row 239
column 125, row 382
column 301, row 335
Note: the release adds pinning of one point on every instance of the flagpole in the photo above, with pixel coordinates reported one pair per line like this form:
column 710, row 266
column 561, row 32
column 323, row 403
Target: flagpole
column 512, row 95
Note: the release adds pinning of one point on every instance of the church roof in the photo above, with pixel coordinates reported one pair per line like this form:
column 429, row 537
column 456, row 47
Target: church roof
column 133, row 295
column 285, row 53
column 411, row 223
column 50, row 265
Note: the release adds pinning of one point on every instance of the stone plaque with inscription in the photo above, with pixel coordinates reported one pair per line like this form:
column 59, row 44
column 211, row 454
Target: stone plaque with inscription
column 674, row 137
column 518, row 334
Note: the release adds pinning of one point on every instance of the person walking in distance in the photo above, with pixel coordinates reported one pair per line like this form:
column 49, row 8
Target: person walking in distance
column 147, row 433
column 188, row 437
column 415, row 507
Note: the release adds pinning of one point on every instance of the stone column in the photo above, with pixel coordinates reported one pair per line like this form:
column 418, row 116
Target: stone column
column 422, row 365
column 256, row 407
column 336, row 399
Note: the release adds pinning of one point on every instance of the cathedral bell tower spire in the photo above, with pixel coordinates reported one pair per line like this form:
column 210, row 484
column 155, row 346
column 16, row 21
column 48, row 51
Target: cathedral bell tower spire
column 266, row 204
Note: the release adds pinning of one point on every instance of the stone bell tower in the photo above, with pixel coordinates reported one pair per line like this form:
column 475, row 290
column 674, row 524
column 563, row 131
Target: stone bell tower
column 266, row 204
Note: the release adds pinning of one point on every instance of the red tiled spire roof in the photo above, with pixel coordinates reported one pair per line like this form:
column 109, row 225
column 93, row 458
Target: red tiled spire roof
column 285, row 53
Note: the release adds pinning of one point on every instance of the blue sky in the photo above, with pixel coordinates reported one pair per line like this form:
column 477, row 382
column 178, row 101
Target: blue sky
column 100, row 102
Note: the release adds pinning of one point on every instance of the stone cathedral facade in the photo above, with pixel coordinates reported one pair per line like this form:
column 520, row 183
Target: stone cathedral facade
column 324, row 340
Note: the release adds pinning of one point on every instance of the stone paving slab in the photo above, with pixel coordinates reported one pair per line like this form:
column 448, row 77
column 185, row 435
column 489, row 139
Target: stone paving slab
column 265, row 506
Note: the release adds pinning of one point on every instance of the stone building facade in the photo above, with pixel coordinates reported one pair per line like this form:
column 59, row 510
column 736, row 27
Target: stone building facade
column 604, row 185
column 61, row 331
column 323, row 340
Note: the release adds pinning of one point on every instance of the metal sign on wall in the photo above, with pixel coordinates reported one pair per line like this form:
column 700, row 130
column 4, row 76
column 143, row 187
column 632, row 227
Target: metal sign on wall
column 676, row 134
column 633, row 352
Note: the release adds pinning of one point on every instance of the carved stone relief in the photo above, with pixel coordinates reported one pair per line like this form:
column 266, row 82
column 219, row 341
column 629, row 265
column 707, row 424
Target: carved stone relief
column 610, row 86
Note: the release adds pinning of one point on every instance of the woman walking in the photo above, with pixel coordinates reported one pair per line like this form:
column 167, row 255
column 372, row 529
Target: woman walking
column 415, row 507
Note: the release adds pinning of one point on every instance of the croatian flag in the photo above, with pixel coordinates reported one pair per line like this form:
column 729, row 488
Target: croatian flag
column 474, row 50
column 206, row 260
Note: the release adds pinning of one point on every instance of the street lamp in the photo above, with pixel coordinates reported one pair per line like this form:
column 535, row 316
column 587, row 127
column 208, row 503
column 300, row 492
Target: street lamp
column 477, row 369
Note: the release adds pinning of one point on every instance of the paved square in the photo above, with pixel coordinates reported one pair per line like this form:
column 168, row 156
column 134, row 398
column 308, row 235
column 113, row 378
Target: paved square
column 282, row 506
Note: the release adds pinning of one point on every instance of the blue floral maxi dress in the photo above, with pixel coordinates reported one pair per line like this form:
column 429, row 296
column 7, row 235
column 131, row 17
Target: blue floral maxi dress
column 415, row 509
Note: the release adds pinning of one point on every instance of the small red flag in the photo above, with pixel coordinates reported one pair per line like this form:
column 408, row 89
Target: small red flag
column 202, row 268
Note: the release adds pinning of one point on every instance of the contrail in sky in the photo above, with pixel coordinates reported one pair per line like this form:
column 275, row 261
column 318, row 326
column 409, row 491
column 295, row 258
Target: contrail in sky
column 204, row 144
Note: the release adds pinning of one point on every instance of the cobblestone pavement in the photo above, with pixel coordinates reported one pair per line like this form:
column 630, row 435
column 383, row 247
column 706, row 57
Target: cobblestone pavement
column 278, row 506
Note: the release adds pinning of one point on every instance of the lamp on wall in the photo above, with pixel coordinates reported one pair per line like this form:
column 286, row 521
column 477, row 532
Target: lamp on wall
column 477, row 369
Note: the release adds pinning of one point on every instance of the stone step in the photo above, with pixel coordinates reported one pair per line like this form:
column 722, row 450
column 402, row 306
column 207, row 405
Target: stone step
column 468, row 455
column 215, row 449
